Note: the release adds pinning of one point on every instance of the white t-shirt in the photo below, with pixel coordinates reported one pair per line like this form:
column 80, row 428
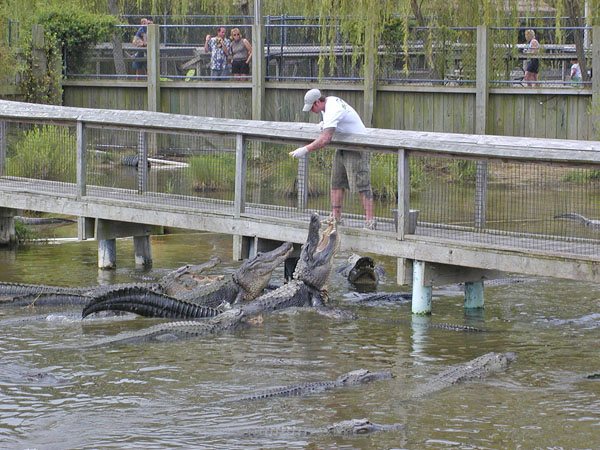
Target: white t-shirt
column 575, row 72
column 340, row 115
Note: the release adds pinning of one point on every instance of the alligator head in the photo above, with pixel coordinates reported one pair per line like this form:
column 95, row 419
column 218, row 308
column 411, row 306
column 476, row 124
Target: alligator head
column 254, row 274
column 363, row 270
column 361, row 426
column 316, row 257
column 362, row 376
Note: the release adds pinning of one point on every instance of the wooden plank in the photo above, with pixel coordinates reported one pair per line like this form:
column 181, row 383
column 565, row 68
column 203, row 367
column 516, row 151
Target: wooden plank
column 572, row 118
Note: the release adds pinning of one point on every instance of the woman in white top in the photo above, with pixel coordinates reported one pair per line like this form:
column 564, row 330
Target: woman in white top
column 533, row 65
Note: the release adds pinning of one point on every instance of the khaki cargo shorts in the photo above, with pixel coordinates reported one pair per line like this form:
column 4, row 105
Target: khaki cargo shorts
column 351, row 170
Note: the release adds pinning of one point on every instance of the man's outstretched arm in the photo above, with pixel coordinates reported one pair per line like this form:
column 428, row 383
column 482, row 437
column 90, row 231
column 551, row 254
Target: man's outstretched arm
column 324, row 138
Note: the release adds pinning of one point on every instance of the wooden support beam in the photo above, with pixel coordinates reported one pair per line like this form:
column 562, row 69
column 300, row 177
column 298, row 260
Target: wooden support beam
column 258, row 63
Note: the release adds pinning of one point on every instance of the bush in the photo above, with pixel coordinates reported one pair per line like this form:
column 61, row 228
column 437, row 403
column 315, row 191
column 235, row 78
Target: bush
column 47, row 153
column 75, row 31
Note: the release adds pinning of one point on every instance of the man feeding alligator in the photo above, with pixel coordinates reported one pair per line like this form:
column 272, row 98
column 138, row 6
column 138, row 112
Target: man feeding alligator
column 350, row 169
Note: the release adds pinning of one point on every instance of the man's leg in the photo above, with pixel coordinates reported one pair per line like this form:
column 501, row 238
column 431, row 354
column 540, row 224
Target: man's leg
column 337, row 201
column 367, row 201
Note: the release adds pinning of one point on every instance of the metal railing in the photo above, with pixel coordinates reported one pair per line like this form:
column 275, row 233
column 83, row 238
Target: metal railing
column 294, row 51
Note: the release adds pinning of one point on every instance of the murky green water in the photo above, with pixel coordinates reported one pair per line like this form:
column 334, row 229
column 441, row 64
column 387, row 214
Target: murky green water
column 165, row 395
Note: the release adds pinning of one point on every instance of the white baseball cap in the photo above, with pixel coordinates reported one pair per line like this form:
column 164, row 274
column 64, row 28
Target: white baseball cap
column 310, row 98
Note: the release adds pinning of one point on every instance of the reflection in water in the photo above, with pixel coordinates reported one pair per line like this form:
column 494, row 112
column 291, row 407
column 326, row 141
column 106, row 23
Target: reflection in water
column 166, row 394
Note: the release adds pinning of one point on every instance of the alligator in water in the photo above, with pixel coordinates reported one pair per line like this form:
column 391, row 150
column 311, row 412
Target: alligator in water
column 245, row 284
column 36, row 221
column 175, row 282
column 307, row 289
column 346, row 427
column 578, row 217
column 354, row 378
column 477, row 368
column 361, row 271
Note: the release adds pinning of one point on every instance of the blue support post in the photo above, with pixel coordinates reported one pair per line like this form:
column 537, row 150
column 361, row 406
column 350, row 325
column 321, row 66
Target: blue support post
column 421, row 294
column 474, row 294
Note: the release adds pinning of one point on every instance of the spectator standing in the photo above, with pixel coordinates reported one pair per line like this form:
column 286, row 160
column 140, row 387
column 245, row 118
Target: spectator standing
column 575, row 72
column 241, row 54
column 141, row 40
column 533, row 64
column 350, row 169
column 220, row 51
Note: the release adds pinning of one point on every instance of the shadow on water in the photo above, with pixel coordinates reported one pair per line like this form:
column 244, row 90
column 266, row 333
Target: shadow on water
column 166, row 394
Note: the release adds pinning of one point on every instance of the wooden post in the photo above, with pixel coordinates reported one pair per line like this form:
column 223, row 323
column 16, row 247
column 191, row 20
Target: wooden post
column 596, row 81
column 404, row 266
column 303, row 182
column 474, row 294
column 370, row 80
column 258, row 63
column 481, row 106
column 107, row 254
column 142, row 250
column 142, row 162
column 81, row 174
column 7, row 227
column 2, row 148
column 81, row 160
column 39, row 64
column 153, row 67
column 153, row 80
column 239, row 202
column 481, row 82
column 403, row 192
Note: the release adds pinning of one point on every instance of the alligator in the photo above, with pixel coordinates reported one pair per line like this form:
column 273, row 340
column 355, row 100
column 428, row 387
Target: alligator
column 477, row 368
column 132, row 161
column 354, row 378
column 245, row 284
column 175, row 282
column 34, row 221
column 586, row 222
column 361, row 271
column 345, row 427
column 306, row 289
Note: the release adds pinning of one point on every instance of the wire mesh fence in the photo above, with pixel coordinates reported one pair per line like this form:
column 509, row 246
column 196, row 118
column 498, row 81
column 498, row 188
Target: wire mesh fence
column 39, row 153
column 523, row 204
column 431, row 56
column 190, row 170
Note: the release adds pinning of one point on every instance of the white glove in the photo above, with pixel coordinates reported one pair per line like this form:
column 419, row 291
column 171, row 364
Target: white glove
column 299, row 152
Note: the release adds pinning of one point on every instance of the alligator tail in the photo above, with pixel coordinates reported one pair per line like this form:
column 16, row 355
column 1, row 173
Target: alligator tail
column 147, row 303
column 49, row 299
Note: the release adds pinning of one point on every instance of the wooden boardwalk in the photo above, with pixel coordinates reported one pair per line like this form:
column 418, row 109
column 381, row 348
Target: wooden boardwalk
column 442, row 244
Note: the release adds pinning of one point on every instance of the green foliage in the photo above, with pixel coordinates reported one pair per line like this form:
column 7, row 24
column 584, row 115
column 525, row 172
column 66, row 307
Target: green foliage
column 41, row 72
column 581, row 176
column 24, row 233
column 462, row 170
column 47, row 152
column 206, row 171
column 384, row 175
column 75, row 31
